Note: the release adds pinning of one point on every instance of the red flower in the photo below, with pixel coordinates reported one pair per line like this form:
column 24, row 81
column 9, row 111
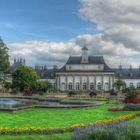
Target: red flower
column 115, row 109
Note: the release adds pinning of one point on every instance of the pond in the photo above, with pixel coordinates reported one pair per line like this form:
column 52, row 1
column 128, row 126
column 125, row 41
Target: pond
column 15, row 104
column 6, row 104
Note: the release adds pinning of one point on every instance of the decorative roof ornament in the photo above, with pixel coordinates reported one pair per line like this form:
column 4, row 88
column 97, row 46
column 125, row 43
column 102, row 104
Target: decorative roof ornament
column 84, row 55
column 85, row 48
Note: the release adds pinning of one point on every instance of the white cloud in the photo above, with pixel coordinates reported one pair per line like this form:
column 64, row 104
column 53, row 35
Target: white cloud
column 119, row 40
column 52, row 53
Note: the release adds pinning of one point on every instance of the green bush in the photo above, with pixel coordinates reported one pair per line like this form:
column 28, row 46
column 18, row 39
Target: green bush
column 71, row 93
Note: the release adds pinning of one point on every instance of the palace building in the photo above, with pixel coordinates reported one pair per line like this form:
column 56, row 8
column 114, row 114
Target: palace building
column 87, row 73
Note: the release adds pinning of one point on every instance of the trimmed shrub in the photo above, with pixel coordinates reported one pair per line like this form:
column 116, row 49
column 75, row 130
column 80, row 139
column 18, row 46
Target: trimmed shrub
column 71, row 93
column 131, row 107
column 93, row 93
column 112, row 93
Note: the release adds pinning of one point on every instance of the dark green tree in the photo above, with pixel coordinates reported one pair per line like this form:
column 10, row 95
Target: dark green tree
column 24, row 77
column 118, row 84
column 4, row 57
column 4, row 61
column 42, row 86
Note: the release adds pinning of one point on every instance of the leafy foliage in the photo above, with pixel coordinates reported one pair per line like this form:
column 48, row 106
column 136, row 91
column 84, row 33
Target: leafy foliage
column 4, row 57
column 42, row 86
column 115, row 131
column 131, row 96
column 4, row 61
column 24, row 77
column 7, row 85
column 93, row 93
column 119, row 84
column 71, row 93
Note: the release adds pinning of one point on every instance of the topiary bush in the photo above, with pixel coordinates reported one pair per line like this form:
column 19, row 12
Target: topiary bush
column 112, row 93
column 93, row 93
column 71, row 93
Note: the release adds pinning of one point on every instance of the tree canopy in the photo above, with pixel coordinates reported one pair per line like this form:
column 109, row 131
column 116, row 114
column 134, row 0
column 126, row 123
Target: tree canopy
column 42, row 86
column 4, row 57
column 118, row 84
column 24, row 77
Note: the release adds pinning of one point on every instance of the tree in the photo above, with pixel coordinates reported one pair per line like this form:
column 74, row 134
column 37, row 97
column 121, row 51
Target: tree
column 42, row 86
column 119, row 84
column 4, row 61
column 4, row 57
column 24, row 77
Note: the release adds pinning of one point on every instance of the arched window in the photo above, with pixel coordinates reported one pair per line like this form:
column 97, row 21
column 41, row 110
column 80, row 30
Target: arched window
column 99, row 86
column 84, row 86
column 70, row 86
column 63, row 86
column 92, row 86
column 106, row 86
column 131, row 85
column 77, row 86
column 138, row 85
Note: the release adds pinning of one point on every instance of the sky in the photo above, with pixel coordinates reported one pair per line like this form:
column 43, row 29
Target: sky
column 47, row 32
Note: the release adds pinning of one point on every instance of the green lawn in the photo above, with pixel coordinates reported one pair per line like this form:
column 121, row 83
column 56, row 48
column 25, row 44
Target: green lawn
column 57, row 117
column 137, row 119
column 65, row 136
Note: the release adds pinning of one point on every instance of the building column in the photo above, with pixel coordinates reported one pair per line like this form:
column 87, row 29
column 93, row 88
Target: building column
column 88, row 85
column 102, row 82
column 95, row 82
column 66, row 79
column 58, row 83
column 109, row 83
column 80, row 82
column 73, row 82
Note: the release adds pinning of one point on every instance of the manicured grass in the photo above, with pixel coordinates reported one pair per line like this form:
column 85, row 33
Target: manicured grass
column 57, row 117
column 65, row 136
column 137, row 119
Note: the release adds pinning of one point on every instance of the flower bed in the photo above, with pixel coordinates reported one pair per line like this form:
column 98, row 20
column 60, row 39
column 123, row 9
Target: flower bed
column 47, row 130
column 116, row 131
column 115, row 109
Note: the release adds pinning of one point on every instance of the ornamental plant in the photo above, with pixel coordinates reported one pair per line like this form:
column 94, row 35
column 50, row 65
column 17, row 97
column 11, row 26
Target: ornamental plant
column 115, row 109
column 24, row 77
column 115, row 131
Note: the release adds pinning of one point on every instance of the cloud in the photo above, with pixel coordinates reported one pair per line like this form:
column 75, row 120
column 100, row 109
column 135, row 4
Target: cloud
column 119, row 20
column 118, row 39
column 57, row 53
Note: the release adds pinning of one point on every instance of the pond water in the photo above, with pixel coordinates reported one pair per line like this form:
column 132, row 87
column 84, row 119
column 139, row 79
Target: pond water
column 11, row 103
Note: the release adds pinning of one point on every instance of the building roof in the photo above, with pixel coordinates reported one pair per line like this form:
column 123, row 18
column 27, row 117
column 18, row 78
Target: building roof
column 130, row 73
column 91, row 60
column 74, row 60
column 120, row 73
